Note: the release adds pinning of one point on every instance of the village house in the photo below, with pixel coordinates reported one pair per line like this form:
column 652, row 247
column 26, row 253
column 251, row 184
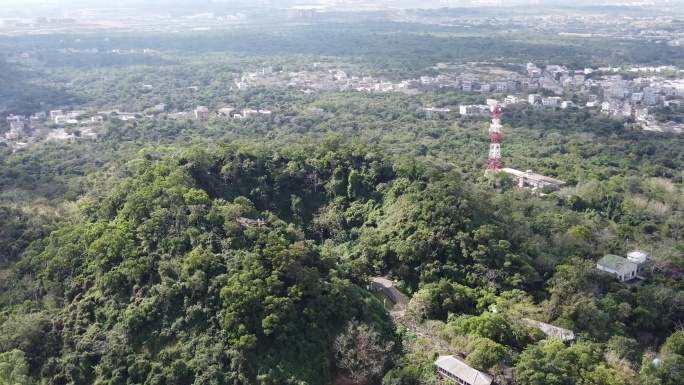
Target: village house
column 201, row 112
column 551, row 101
column 225, row 111
column 472, row 110
column 455, row 368
column 16, row 118
column 249, row 113
column 61, row 135
column 622, row 268
column 60, row 119
column 432, row 112
column 534, row 98
column 13, row 134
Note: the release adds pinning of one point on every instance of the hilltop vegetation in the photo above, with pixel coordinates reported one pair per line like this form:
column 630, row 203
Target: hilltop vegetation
column 226, row 251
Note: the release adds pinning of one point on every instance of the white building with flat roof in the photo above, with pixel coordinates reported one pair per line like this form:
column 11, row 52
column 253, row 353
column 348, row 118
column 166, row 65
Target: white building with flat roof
column 532, row 180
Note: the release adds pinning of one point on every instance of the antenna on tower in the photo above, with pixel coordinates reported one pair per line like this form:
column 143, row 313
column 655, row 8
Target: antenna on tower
column 494, row 162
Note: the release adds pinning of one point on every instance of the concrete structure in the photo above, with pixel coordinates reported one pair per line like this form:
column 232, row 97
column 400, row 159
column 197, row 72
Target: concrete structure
column 552, row 101
column 472, row 109
column 455, row 368
column 201, row 112
column 387, row 286
column 531, row 180
column 60, row 119
column 249, row 113
column 13, row 134
column 622, row 268
column 60, row 134
column 16, row 118
column 638, row 257
column 550, row 330
column 432, row 112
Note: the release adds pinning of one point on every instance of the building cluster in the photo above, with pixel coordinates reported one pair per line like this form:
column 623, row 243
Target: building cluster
column 22, row 130
column 36, row 21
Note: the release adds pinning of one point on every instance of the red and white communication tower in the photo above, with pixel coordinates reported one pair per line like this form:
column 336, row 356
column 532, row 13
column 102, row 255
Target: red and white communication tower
column 494, row 162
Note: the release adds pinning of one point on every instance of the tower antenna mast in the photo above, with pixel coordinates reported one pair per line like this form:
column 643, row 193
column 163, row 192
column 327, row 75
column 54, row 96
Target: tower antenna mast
column 494, row 162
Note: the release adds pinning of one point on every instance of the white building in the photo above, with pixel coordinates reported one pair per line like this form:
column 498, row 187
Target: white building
column 472, row 109
column 650, row 99
column 532, row 180
column 620, row 267
column 453, row 367
column 552, row 101
column 60, row 119
column 432, row 112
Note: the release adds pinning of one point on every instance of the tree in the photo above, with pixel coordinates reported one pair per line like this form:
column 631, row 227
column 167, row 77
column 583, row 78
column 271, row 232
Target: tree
column 362, row 353
column 14, row 368
column 483, row 354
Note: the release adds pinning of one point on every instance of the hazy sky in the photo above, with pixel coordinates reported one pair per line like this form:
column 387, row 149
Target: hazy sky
column 417, row 3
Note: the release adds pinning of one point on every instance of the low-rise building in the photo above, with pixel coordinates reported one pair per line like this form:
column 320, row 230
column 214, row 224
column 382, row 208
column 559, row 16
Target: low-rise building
column 638, row 257
column 455, row 368
column 201, row 112
column 471, row 110
column 249, row 113
column 532, row 180
column 620, row 267
column 13, row 134
column 61, row 135
column 60, row 119
column 432, row 112
column 16, row 118
column 552, row 101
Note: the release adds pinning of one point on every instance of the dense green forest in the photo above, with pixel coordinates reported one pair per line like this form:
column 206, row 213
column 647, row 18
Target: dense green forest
column 225, row 251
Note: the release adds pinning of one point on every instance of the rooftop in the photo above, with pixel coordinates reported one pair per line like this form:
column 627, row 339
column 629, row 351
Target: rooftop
column 612, row 261
column 459, row 368
column 552, row 331
column 531, row 175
